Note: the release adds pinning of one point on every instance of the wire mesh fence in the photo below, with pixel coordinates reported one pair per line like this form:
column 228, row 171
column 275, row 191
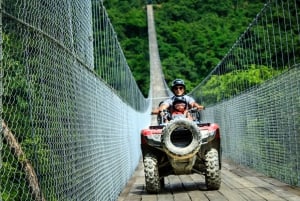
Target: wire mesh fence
column 253, row 93
column 71, row 110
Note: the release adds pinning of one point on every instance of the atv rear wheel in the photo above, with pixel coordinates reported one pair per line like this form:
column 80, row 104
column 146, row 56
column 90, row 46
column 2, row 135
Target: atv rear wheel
column 152, row 180
column 213, row 173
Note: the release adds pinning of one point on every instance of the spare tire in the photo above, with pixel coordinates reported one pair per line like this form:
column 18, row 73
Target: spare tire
column 181, row 137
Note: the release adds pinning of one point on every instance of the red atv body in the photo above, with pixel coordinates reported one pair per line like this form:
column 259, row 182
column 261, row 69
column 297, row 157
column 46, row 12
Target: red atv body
column 181, row 146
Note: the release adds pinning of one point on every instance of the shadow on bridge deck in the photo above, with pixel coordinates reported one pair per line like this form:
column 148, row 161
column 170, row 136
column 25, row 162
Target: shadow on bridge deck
column 238, row 184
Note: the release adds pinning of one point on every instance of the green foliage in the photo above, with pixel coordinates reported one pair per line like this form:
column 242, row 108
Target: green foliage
column 193, row 36
column 15, row 114
column 130, row 23
column 224, row 86
column 23, row 87
column 204, row 32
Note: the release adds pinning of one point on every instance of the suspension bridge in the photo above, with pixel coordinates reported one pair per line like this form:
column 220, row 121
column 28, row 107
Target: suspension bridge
column 72, row 111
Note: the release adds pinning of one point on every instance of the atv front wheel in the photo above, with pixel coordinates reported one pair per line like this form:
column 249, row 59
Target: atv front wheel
column 212, row 173
column 153, row 182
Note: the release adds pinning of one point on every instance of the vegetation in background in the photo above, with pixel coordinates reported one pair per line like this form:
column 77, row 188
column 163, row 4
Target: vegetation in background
column 129, row 19
column 220, row 87
column 193, row 35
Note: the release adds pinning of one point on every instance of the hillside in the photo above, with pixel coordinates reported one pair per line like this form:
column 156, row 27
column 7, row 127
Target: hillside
column 193, row 35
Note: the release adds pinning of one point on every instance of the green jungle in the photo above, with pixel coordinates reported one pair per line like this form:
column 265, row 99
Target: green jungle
column 193, row 35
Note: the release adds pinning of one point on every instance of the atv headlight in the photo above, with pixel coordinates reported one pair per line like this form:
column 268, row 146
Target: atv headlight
column 207, row 135
column 204, row 134
column 156, row 138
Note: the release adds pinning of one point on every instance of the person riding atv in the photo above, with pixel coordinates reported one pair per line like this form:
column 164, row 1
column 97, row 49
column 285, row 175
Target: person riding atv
column 173, row 102
column 179, row 145
column 178, row 109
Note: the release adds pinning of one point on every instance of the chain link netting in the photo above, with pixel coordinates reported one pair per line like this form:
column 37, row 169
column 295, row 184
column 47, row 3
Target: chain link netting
column 71, row 110
column 254, row 94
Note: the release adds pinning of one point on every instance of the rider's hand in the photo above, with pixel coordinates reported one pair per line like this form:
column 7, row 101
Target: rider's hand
column 200, row 107
column 155, row 111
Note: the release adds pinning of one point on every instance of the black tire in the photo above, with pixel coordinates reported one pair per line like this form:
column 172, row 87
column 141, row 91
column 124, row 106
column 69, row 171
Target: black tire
column 152, row 180
column 162, row 182
column 181, row 142
column 213, row 171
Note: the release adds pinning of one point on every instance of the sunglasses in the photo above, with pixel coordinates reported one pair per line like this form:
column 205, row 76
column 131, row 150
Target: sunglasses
column 176, row 88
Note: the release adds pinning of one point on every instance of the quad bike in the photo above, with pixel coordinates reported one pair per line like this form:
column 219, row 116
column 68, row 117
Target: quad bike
column 178, row 145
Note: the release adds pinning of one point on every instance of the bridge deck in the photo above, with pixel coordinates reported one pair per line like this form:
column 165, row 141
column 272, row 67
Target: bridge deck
column 238, row 184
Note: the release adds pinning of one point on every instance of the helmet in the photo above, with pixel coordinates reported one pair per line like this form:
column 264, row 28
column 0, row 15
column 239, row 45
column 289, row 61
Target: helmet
column 179, row 99
column 177, row 82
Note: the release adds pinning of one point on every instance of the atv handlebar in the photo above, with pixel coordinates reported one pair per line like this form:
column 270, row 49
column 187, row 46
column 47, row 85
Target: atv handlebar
column 192, row 110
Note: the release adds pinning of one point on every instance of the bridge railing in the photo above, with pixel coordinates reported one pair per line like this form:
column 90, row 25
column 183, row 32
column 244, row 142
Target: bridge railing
column 254, row 94
column 71, row 111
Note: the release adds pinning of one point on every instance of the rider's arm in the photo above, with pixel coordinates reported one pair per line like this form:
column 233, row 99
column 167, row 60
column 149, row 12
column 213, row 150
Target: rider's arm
column 159, row 109
column 155, row 111
column 198, row 106
column 193, row 103
column 163, row 107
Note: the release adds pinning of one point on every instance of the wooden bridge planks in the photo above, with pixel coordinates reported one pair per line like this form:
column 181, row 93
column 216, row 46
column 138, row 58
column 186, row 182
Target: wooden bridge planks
column 238, row 184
